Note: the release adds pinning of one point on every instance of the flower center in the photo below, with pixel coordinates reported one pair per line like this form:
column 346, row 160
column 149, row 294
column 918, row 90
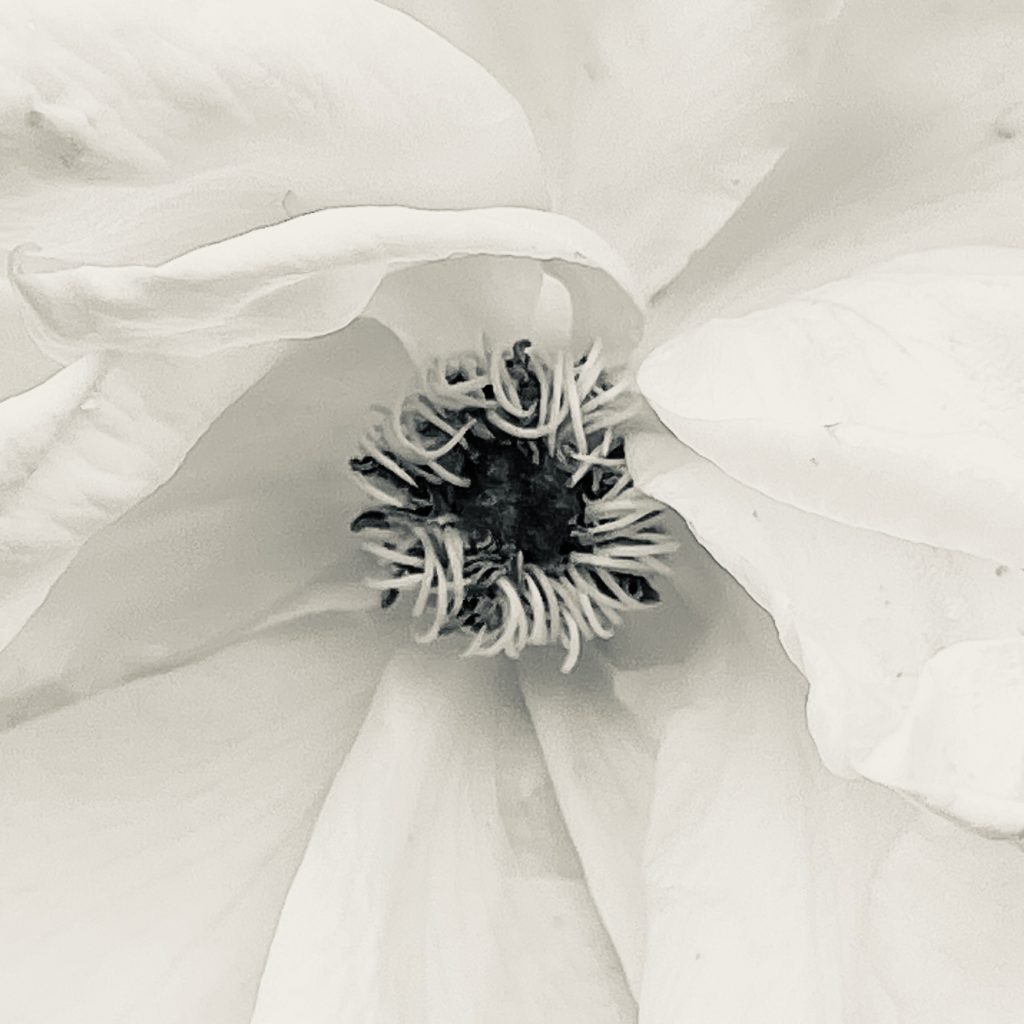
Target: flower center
column 505, row 506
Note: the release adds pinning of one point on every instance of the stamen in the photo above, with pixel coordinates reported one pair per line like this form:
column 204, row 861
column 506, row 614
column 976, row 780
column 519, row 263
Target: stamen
column 505, row 505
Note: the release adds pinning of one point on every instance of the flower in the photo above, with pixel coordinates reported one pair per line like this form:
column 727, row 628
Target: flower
column 233, row 792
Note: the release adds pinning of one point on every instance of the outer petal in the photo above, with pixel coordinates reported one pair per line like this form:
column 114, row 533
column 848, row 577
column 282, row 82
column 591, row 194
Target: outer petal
column 892, row 400
column 137, row 132
column 915, row 142
column 314, row 274
column 874, row 622
column 150, row 834
column 776, row 892
column 656, row 119
column 439, row 884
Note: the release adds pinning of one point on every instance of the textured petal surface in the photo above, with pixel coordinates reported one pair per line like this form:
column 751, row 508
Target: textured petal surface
column 656, row 119
column 916, row 142
column 776, row 892
column 440, row 884
column 874, row 622
column 314, row 274
column 150, row 834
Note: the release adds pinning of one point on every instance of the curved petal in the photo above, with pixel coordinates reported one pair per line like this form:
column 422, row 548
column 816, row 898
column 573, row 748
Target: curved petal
column 873, row 622
column 601, row 765
column 777, row 892
column 150, row 834
column 655, row 119
column 260, row 508
column 439, row 884
column 133, row 133
column 312, row 275
column 891, row 400
column 915, row 143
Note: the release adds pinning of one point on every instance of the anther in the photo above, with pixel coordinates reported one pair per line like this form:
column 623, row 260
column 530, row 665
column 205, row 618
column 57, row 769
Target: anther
column 504, row 504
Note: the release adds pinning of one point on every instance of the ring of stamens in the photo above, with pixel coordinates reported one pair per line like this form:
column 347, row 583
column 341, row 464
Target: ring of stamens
column 504, row 506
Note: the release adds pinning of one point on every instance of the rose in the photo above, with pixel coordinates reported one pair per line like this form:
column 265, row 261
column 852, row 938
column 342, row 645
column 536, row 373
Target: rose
column 173, row 830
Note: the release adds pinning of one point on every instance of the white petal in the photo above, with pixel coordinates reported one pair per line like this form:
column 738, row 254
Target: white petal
column 259, row 509
column 656, row 119
column 312, row 275
column 778, row 893
column 137, row 132
column 601, row 765
column 892, row 400
column 439, row 884
column 871, row 620
column 142, row 131
column 150, row 833
column 916, row 143
column 97, row 439
column 944, row 919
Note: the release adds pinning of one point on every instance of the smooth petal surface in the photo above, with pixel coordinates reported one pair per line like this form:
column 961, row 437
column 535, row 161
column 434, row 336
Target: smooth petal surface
column 440, row 885
column 134, row 133
column 872, row 620
column 915, row 142
column 150, row 834
column 260, row 508
column 601, row 764
column 776, row 892
column 892, row 400
column 655, row 119
column 98, row 438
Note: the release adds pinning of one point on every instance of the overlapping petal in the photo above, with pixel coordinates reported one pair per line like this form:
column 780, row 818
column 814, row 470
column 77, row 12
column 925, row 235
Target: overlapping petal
column 914, row 142
column 777, row 892
column 891, row 400
column 869, row 618
column 655, row 119
column 439, row 884
column 150, row 834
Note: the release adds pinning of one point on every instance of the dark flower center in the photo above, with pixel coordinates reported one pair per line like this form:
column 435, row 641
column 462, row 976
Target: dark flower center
column 505, row 504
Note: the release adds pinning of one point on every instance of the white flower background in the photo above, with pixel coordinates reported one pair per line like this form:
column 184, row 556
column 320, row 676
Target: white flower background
column 234, row 792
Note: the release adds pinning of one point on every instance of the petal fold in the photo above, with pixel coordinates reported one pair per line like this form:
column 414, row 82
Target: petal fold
column 151, row 833
column 875, row 623
column 655, row 119
column 440, row 884
column 892, row 400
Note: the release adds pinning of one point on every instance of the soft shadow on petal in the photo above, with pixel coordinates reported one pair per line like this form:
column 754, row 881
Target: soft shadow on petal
column 601, row 764
column 867, row 617
column 439, row 884
column 917, row 142
column 150, row 834
column 133, row 133
column 890, row 400
column 312, row 275
column 440, row 129
column 261, row 507
column 781, row 894
column 99, row 437
column 222, row 306
column 944, row 927
column 656, row 118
